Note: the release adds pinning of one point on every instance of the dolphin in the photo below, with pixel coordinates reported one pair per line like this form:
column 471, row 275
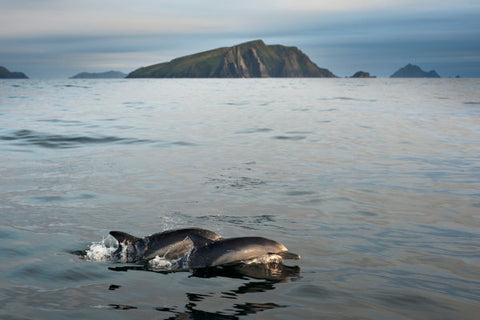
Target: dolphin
column 232, row 251
column 170, row 244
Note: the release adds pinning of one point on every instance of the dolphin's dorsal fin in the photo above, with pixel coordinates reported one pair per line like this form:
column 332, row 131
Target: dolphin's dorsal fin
column 123, row 237
column 199, row 241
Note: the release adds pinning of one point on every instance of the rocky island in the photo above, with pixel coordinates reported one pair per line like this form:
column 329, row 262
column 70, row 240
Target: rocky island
column 413, row 71
column 252, row 59
column 6, row 74
column 100, row 75
column 362, row 74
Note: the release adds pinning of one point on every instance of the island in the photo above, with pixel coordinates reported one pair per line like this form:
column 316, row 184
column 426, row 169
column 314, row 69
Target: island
column 362, row 74
column 100, row 75
column 413, row 71
column 252, row 59
column 6, row 74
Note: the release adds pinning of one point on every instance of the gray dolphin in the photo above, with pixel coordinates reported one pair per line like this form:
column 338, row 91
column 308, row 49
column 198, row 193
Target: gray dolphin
column 171, row 244
column 233, row 251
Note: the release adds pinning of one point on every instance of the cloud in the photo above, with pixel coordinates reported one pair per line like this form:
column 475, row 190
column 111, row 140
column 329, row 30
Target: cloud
column 58, row 21
column 53, row 17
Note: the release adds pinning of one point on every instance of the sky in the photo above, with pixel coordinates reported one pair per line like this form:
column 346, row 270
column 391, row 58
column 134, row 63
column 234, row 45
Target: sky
column 60, row 38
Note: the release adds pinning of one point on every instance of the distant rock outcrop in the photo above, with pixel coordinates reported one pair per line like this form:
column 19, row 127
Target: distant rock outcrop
column 100, row 75
column 412, row 71
column 362, row 74
column 247, row 60
column 6, row 74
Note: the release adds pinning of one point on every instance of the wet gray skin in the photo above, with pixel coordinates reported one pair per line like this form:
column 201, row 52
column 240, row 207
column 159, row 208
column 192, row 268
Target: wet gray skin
column 235, row 250
column 171, row 244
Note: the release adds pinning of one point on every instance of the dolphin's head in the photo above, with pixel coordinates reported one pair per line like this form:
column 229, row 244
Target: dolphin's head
column 130, row 248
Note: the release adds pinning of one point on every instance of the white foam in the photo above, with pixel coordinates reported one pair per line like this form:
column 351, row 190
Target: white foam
column 101, row 251
column 160, row 264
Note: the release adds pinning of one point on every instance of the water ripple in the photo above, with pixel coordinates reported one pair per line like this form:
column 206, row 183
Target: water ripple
column 59, row 141
column 292, row 138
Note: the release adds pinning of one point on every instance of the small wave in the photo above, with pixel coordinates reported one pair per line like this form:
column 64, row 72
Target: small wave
column 343, row 98
column 245, row 222
column 292, row 138
column 133, row 103
column 354, row 99
column 168, row 144
column 299, row 193
column 58, row 141
column 17, row 97
column 236, row 182
column 53, row 198
column 62, row 122
column 254, row 130
column 184, row 143
column 238, row 103
column 299, row 132
column 71, row 86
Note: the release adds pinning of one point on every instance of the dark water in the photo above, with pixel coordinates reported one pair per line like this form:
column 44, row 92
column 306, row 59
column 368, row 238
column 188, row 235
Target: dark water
column 374, row 182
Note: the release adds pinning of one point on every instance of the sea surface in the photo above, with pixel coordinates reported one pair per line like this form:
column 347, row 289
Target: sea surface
column 374, row 182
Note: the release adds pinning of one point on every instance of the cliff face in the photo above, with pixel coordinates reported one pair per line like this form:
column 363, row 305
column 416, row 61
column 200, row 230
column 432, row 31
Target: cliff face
column 412, row 71
column 6, row 74
column 247, row 60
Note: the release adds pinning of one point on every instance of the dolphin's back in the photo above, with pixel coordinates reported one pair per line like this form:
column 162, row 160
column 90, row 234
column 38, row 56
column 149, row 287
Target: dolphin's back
column 173, row 244
column 170, row 244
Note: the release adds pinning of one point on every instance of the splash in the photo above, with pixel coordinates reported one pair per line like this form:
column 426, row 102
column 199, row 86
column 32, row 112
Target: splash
column 162, row 264
column 101, row 251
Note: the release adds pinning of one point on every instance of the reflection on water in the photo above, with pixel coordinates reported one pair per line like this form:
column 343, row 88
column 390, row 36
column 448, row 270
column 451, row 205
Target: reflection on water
column 239, row 310
column 270, row 273
column 192, row 309
column 274, row 271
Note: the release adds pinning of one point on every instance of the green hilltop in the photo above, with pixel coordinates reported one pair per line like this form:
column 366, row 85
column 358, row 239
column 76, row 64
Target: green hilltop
column 252, row 59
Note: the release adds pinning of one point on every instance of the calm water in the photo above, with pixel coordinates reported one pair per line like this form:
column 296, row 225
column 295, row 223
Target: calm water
column 374, row 182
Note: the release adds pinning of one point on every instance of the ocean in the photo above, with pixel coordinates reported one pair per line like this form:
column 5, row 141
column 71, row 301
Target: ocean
column 374, row 182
